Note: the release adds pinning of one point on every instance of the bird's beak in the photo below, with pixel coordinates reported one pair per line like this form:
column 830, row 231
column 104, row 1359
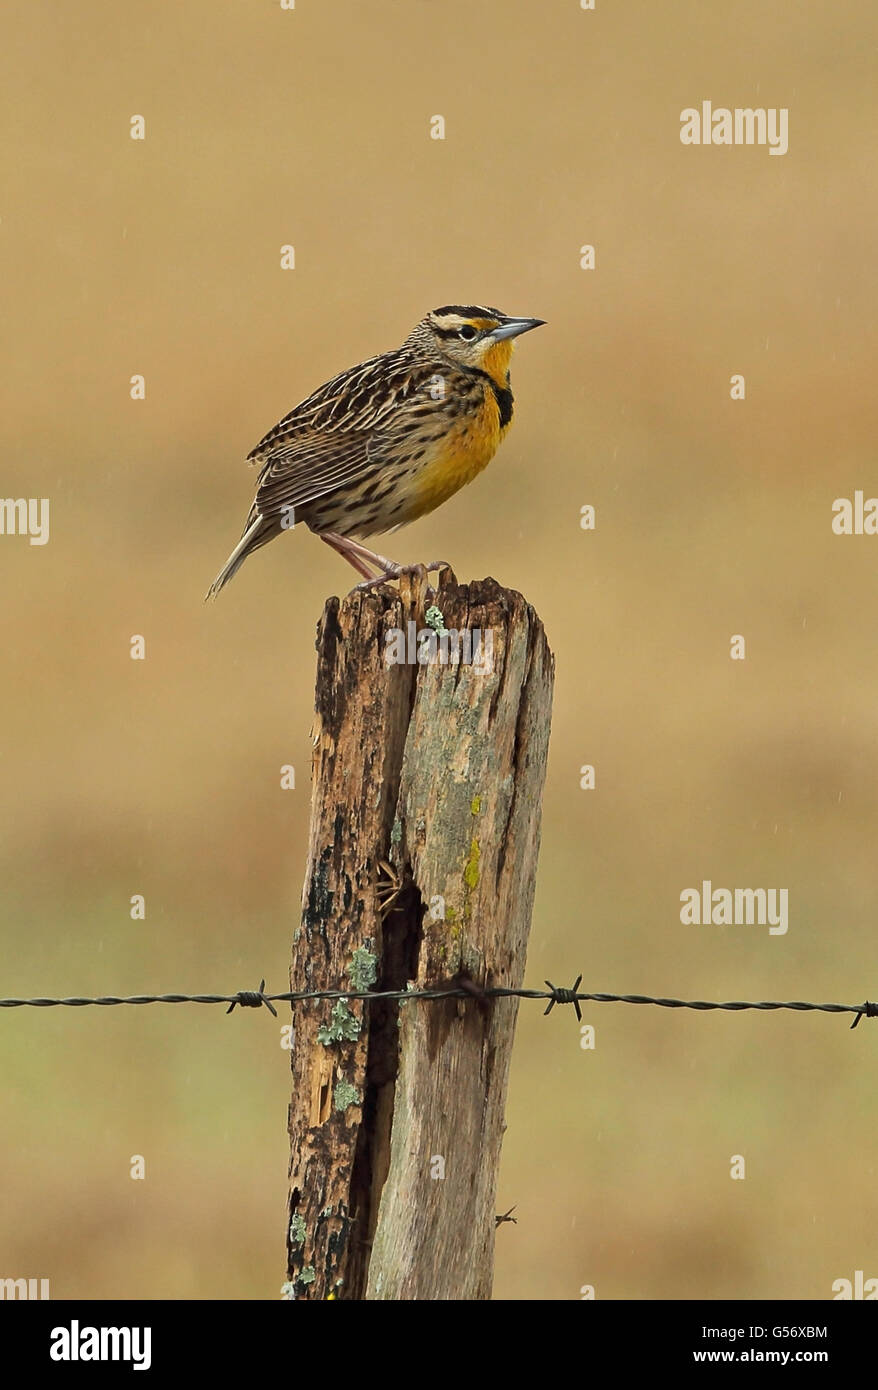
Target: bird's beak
column 512, row 327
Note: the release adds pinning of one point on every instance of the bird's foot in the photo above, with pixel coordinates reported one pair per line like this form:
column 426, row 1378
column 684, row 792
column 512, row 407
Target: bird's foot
column 393, row 572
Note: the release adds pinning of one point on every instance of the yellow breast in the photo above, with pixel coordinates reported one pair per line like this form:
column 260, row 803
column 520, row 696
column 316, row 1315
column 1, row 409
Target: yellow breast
column 466, row 448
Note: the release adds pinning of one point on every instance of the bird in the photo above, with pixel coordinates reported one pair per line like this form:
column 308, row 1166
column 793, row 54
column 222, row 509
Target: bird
column 387, row 441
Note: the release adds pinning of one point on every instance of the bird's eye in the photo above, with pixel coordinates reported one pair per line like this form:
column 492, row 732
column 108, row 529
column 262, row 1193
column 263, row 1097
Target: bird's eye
column 467, row 333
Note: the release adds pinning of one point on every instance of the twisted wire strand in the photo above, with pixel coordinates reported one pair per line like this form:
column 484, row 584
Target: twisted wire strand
column 554, row 995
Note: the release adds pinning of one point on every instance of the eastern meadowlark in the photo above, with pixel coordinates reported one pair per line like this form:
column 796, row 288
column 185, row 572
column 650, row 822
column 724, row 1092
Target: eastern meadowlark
column 387, row 441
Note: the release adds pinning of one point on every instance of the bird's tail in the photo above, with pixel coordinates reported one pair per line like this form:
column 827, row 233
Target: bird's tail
column 258, row 532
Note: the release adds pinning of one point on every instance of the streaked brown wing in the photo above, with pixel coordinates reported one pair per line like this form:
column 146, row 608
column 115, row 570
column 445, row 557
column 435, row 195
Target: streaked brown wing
column 358, row 399
column 311, row 465
column 342, row 432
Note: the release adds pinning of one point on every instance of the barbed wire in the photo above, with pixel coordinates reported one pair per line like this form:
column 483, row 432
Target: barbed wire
column 468, row 989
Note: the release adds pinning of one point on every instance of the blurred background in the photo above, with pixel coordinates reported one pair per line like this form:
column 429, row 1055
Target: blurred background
column 161, row 257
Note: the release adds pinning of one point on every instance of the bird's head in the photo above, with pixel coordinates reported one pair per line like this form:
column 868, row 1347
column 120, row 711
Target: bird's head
column 475, row 336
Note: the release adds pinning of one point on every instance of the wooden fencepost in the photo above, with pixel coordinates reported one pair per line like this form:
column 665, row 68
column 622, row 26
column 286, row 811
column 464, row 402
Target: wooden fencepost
column 428, row 771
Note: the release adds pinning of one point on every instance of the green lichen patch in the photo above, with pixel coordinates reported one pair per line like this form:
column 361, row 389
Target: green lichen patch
column 363, row 969
column 471, row 871
column 345, row 1095
column 344, row 1027
column 434, row 619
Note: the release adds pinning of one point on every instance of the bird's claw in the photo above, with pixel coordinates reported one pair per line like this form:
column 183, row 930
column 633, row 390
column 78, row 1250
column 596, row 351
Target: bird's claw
column 394, row 572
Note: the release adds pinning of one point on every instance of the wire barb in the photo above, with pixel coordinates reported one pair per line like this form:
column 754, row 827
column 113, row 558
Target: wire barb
column 564, row 996
column 252, row 999
column 867, row 1011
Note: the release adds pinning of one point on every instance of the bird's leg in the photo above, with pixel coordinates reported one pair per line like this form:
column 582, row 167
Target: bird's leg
column 360, row 555
column 342, row 547
column 349, row 547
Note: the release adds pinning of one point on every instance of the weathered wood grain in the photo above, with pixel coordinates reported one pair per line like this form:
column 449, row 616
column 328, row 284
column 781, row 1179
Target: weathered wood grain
column 396, row 1117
